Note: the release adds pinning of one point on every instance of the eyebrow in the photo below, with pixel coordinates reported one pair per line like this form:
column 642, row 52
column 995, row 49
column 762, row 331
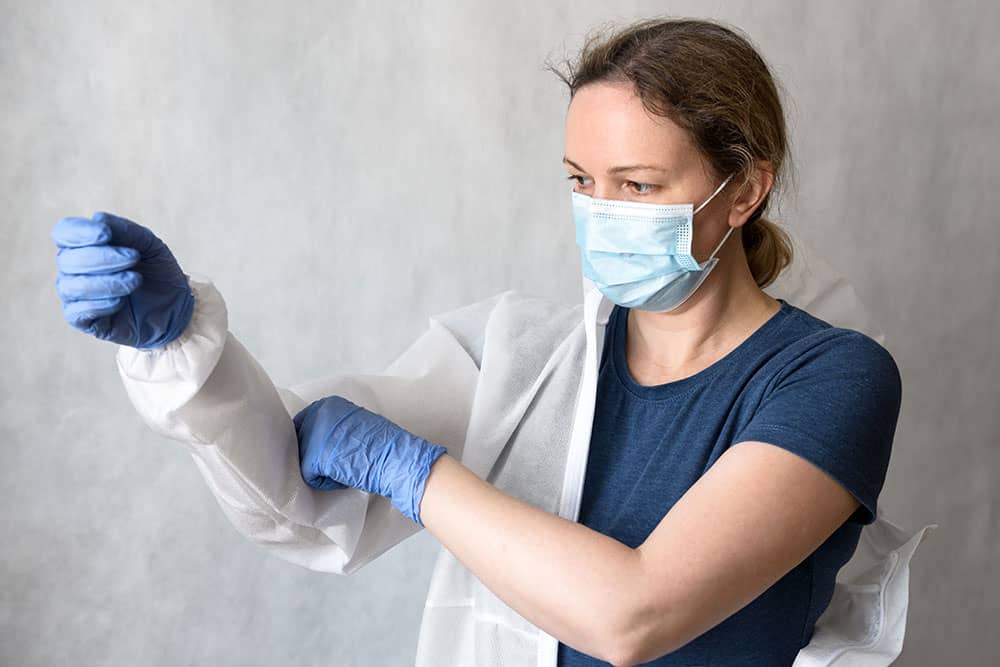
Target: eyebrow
column 617, row 170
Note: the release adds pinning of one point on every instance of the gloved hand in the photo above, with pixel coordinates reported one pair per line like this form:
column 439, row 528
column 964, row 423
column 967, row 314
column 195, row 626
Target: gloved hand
column 344, row 445
column 144, row 307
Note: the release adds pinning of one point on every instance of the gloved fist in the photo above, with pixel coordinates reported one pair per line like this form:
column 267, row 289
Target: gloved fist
column 119, row 282
column 344, row 445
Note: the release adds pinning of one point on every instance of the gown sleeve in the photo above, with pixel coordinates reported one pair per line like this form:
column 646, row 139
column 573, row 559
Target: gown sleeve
column 207, row 392
column 836, row 405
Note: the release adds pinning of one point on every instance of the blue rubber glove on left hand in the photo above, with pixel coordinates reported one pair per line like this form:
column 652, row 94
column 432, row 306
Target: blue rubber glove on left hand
column 344, row 445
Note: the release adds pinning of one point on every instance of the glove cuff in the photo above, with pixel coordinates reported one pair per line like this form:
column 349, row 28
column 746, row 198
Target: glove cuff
column 409, row 505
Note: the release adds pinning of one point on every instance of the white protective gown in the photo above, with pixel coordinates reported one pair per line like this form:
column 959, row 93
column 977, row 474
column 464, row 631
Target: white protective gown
column 508, row 386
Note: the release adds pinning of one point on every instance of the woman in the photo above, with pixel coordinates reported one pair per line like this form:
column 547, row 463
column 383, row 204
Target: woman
column 725, row 450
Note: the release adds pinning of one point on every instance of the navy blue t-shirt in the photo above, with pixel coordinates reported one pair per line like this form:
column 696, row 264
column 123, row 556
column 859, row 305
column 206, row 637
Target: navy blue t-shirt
column 829, row 394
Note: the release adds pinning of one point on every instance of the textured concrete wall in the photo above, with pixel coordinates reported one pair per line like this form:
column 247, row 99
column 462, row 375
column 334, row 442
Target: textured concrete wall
column 343, row 170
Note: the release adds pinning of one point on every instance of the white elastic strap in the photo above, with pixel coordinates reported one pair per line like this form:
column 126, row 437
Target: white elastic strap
column 713, row 194
column 720, row 244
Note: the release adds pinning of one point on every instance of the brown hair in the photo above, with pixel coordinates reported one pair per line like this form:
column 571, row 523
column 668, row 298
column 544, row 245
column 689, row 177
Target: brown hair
column 709, row 79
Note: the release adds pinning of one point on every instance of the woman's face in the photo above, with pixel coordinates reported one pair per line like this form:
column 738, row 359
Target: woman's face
column 615, row 149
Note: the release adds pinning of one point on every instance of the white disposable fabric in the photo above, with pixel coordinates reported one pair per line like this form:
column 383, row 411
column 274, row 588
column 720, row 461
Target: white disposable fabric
column 508, row 386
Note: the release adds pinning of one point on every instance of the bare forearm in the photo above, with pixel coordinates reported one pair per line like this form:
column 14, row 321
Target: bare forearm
column 571, row 581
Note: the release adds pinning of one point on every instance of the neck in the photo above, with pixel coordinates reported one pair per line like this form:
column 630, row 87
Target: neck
column 721, row 314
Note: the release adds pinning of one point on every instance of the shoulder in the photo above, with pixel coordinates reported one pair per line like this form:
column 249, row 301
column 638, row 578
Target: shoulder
column 820, row 337
column 833, row 354
column 515, row 317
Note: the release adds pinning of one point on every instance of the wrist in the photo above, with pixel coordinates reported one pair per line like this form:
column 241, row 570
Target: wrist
column 420, row 469
column 183, row 316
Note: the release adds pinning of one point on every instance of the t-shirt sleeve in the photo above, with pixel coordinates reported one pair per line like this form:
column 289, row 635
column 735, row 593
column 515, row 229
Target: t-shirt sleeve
column 836, row 405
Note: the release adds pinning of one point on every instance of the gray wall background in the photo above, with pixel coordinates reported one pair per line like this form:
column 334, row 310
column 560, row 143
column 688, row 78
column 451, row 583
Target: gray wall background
column 343, row 170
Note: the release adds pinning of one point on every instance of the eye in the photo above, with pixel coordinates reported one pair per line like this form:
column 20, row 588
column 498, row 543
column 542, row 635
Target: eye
column 641, row 192
column 641, row 188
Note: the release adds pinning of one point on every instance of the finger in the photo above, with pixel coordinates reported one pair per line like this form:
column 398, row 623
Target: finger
column 87, row 287
column 81, row 314
column 96, row 259
column 127, row 233
column 75, row 232
column 303, row 413
column 324, row 483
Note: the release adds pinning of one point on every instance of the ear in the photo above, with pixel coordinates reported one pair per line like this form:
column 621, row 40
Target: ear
column 753, row 193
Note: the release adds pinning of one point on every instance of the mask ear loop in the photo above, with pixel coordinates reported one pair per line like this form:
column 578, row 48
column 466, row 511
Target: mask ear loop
column 712, row 196
column 720, row 244
column 717, row 190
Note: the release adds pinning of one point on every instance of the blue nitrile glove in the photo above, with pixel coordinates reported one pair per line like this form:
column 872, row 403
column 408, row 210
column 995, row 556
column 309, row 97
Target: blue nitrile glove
column 344, row 445
column 119, row 282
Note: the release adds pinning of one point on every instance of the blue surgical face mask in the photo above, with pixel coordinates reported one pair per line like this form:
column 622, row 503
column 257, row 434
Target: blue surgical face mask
column 639, row 254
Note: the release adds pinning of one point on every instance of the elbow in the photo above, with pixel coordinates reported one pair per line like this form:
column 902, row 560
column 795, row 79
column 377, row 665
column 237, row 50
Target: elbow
column 626, row 651
column 620, row 654
column 618, row 660
column 640, row 624
column 623, row 642
column 641, row 636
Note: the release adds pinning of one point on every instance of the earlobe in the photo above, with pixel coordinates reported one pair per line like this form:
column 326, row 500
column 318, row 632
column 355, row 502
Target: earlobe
column 758, row 188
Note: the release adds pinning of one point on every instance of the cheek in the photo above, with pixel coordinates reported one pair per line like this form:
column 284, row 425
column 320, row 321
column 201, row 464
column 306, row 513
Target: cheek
column 708, row 233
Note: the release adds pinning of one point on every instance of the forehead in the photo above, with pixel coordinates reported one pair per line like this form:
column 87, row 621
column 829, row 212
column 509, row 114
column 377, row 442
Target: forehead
column 607, row 125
